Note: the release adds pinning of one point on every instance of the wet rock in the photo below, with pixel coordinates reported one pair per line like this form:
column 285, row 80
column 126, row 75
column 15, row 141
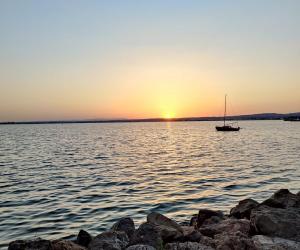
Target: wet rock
column 140, row 247
column 284, row 223
column 147, row 234
column 283, row 198
column 161, row 220
column 205, row 214
column 83, row 238
column 263, row 242
column 243, row 209
column 187, row 246
column 109, row 241
column 234, row 241
column 126, row 225
column 228, row 225
column 36, row 244
column 66, row 245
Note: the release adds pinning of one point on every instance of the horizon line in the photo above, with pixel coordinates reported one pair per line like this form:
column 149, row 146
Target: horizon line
column 257, row 116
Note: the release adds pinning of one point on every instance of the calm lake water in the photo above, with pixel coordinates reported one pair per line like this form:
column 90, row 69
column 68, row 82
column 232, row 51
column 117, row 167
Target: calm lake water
column 57, row 179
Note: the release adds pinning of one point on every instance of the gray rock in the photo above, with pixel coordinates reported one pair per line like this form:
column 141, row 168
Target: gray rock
column 126, row 225
column 283, row 198
column 234, row 241
column 36, row 244
column 161, row 220
column 284, row 223
column 243, row 209
column 109, row 241
column 205, row 214
column 187, row 246
column 147, row 234
column 229, row 226
column 65, row 245
column 140, row 247
column 263, row 242
column 83, row 238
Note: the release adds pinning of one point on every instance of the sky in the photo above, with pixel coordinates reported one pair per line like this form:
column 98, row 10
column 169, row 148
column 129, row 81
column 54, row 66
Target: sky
column 141, row 59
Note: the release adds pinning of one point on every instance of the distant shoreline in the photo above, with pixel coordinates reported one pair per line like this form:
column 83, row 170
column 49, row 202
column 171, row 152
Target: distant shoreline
column 264, row 116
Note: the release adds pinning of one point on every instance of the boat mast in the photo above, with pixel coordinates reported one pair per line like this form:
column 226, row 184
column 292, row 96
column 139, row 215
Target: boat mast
column 225, row 110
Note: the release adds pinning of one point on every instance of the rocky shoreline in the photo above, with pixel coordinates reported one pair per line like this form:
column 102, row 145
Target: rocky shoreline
column 273, row 224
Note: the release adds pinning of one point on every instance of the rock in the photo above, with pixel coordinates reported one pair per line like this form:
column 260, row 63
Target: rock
column 161, row 220
column 284, row 223
column 263, row 242
column 140, row 247
column 283, row 198
column 228, row 226
column 187, row 246
column 147, row 234
column 109, row 241
column 126, row 225
column 169, row 234
column 65, row 245
column 207, row 241
column 243, row 209
column 194, row 236
column 205, row 214
column 36, row 244
column 83, row 238
column 234, row 241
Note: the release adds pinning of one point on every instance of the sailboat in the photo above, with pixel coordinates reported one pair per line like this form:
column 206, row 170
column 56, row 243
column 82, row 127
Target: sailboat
column 226, row 127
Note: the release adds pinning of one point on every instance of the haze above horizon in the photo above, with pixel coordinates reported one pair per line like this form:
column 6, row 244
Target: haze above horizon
column 140, row 59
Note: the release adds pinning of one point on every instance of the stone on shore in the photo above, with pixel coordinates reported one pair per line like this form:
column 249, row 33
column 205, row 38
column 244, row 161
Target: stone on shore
column 187, row 246
column 147, row 234
column 36, row 244
column 83, row 238
column 229, row 226
column 234, row 241
column 243, row 209
column 65, row 245
column 284, row 223
column 126, row 225
column 110, row 241
column 283, row 198
column 161, row 220
column 263, row 242
column 205, row 214
column 140, row 247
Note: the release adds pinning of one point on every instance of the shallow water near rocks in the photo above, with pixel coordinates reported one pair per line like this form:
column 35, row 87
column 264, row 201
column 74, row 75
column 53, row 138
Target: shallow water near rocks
column 57, row 179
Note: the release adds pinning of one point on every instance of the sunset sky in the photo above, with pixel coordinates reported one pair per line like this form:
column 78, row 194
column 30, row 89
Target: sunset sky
column 138, row 59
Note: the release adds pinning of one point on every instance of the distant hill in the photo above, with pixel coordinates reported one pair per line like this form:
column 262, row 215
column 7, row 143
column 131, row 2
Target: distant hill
column 263, row 116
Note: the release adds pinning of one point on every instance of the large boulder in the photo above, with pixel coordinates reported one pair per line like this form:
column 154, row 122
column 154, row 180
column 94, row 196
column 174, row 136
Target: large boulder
column 126, row 225
column 109, row 241
column 140, row 247
column 187, row 246
column 36, row 244
column 83, row 238
column 283, row 198
column 65, row 245
column 161, row 220
column 205, row 214
column 243, row 209
column 234, row 241
column 228, row 226
column 263, row 242
column 147, row 234
column 284, row 223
